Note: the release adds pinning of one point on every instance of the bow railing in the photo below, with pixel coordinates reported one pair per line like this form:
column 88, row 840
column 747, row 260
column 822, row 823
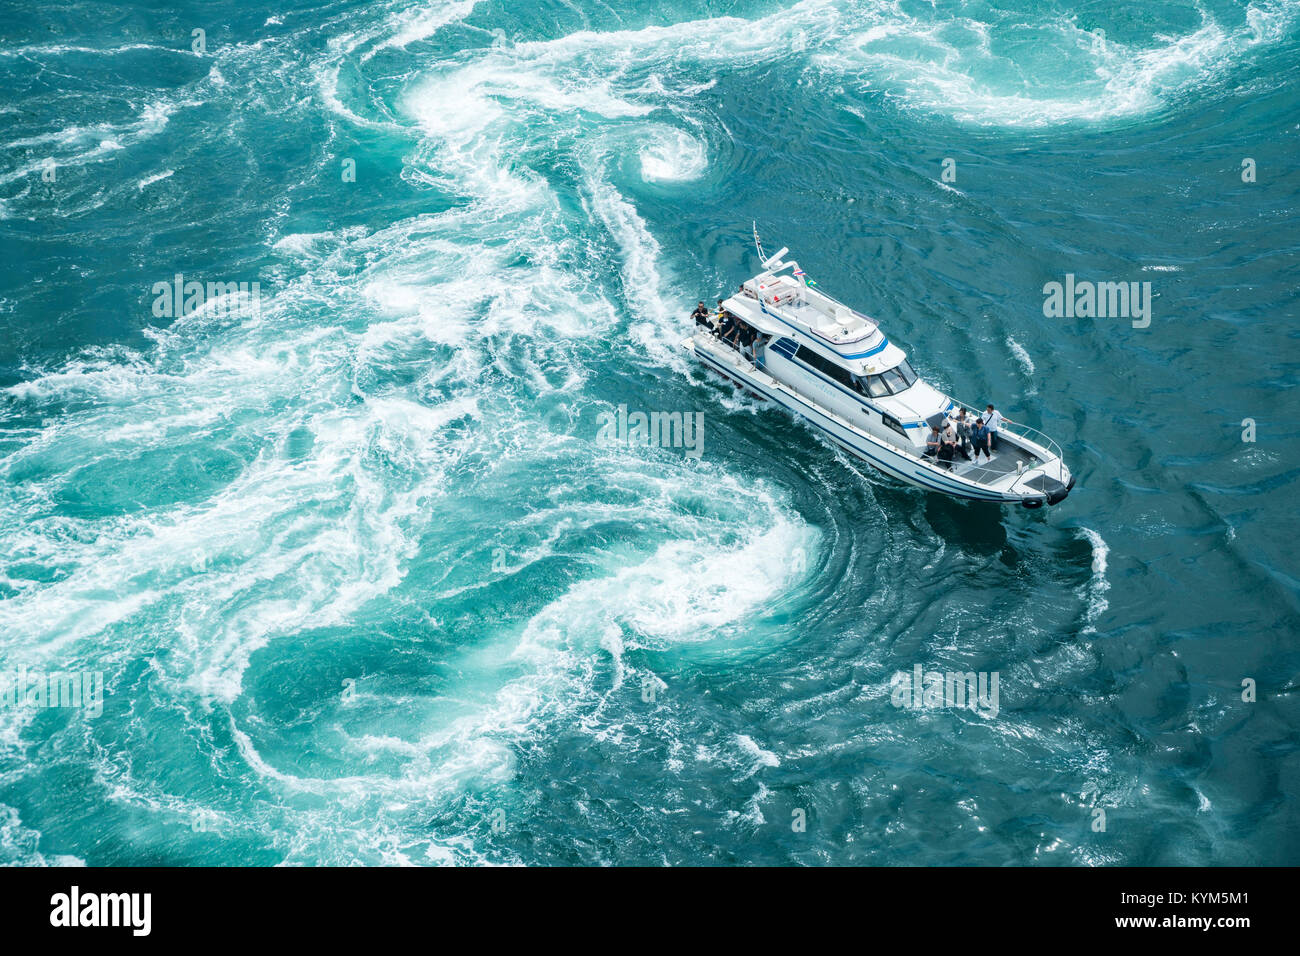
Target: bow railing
column 1024, row 431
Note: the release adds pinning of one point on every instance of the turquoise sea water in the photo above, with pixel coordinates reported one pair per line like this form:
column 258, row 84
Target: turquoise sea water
column 364, row 587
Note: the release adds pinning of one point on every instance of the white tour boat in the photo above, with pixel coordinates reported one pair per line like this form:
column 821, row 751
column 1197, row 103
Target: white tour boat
column 833, row 366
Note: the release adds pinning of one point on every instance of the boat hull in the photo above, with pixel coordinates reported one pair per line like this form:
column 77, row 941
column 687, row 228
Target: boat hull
column 874, row 452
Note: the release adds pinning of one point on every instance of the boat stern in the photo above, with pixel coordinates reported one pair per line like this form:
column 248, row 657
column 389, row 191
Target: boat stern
column 1046, row 485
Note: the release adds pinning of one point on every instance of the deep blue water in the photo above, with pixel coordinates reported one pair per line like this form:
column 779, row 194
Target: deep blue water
column 364, row 587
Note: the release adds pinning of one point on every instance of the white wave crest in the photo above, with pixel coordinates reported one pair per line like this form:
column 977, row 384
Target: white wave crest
column 1095, row 590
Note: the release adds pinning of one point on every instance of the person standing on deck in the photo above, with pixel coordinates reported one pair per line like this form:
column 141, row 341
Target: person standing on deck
column 726, row 325
column 979, row 437
column 962, row 424
column 993, row 420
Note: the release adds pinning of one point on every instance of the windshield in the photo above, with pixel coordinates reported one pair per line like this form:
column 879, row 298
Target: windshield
column 894, row 380
column 877, row 387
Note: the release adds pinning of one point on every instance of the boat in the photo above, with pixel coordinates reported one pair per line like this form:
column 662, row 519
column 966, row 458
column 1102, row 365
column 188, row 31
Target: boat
column 833, row 366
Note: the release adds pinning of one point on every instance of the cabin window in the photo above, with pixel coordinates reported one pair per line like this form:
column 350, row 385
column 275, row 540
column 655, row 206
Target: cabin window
column 785, row 347
column 876, row 387
column 825, row 366
column 909, row 376
column 895, row 424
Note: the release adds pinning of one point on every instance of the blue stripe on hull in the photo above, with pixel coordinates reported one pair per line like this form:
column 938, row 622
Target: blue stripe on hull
column 884, row 343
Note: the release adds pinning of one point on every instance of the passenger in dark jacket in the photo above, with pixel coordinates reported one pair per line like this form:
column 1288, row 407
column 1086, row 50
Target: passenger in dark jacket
column 726, row 326
column 979, row 437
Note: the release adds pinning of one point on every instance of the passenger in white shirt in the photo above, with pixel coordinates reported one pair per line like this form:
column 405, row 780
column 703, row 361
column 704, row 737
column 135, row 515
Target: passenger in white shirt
column 993, row 420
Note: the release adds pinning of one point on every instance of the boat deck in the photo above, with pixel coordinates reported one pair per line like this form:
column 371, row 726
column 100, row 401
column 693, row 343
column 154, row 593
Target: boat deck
column 1007, row 458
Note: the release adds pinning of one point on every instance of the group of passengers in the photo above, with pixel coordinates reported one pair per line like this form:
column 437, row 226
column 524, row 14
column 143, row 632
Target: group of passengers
column 729, row 327
column 960, row 436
